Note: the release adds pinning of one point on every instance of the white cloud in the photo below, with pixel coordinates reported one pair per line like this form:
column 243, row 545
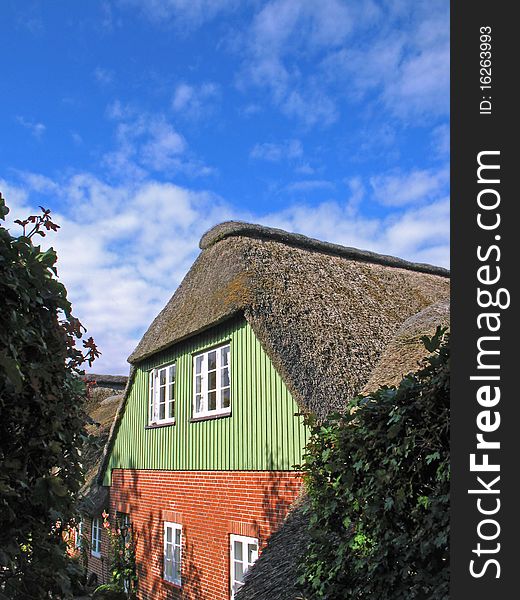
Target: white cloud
column 195, row 101
column 148, row 143
column 441, row 140
column 188, row 14
column 309, row 185
column 103, row 76
column 275, row 152
column 35, row 128
column 123, row 249
column 399, row 189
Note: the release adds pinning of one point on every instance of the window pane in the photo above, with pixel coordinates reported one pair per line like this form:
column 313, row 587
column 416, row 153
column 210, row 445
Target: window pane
column 177, row 563
column 224, row 378
column 162, row 377
column 198, row 384
column 168, row 569
column 171, row 409
column 237, row 550
column 162, row 411
column 198, row 403
column 212, row 380
column 239, row 571
column 212, row 360
column 173, row 368
column 178, row 537
column 225, row 398
column 251, row 553
column 168, row 535
column 198, row 364
column 162, row 394
column 225, row 356
column 212, row 401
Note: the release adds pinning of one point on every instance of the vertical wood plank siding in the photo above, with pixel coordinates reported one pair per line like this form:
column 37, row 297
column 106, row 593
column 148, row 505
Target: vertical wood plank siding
column 262, row 432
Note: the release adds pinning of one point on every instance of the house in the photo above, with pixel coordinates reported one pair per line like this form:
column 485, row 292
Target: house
column 275, row 574
column 104, row 397
column 265, row 327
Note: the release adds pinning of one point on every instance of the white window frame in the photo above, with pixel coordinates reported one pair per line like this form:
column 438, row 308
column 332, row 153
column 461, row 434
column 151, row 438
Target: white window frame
column 95, row 537
column 154, row 395
column 174, row 527
column 245, row 563
column 204, row 380
column 79, row 536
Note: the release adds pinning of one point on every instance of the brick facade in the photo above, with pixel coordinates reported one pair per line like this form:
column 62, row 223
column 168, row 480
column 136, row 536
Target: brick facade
column 97, row 565
column 210, row 505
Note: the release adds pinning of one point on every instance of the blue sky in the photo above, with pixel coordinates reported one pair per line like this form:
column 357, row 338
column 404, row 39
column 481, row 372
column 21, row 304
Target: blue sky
column 142, row 123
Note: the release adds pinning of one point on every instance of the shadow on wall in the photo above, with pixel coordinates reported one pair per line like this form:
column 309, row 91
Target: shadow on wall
column 276, row 498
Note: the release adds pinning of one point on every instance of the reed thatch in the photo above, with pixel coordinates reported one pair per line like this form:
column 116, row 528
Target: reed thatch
column 323, row 312
column 105, row 397
column 275, row 573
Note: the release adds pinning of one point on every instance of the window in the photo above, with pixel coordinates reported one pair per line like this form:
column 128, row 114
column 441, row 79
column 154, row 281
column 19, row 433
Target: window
column 212, row 385
column 79, row 536
column 96, row 537
column 244, row 552
column 162, row 395
column 172, row 552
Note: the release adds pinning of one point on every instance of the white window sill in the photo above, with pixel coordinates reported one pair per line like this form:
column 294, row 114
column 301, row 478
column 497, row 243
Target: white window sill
column 156, row 424
column 96, row 554
column 210, row 415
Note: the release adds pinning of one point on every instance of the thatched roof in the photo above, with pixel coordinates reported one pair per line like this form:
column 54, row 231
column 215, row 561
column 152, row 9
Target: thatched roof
column 275, row 573
column 405, row 350
column 323, row 312
column 102, row 405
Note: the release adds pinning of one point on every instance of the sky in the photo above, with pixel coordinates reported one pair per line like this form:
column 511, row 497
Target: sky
column 143, row 123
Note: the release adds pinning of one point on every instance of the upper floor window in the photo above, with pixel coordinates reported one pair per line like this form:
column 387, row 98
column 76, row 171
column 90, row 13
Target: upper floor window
column 212, row 384
column 162, row 395
column 244, row 552
column 96, row 537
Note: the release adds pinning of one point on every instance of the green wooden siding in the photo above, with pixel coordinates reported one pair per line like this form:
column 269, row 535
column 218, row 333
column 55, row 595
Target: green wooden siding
column 262, row 433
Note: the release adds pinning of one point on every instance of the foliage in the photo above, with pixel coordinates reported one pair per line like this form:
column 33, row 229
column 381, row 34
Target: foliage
column 41, row 414
column 378, row 482
column 108, row 591
column 122, row 565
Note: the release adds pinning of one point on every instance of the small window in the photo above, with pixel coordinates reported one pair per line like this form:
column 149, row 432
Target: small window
column 212, row 382
column 244, row 552
column 162, row 395
column 96, row 538
column 79, row 536
column 172, row 552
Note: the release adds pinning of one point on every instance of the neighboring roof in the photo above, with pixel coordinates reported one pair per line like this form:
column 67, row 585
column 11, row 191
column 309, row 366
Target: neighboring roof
column 114, row 381
column 323, row 312
column 405, row 350
column 275, row 573
column 102, row 405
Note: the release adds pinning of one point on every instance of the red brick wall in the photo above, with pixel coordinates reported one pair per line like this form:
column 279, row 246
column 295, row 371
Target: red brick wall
column 100, row 566
column 210, row 505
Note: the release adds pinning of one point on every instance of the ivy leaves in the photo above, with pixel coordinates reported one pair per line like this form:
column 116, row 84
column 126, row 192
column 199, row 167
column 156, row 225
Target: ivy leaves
column 378, row 483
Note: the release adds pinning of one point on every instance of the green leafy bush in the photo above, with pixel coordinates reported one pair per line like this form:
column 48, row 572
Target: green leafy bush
column 41, row 415
column 378, row 482
column 108, row 591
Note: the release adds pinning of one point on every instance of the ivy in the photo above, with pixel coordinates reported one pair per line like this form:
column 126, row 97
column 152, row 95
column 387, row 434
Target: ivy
column 377, row 477
column 41, row 415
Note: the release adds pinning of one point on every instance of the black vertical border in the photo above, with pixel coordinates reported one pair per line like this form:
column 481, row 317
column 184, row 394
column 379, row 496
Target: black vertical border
column 471, row 133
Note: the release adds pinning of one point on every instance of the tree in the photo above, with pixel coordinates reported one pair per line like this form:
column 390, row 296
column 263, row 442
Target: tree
column 378, row 483
column 42, row 419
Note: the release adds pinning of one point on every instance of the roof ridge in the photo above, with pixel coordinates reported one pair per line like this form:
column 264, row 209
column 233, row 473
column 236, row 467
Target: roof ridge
column 244, row 229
